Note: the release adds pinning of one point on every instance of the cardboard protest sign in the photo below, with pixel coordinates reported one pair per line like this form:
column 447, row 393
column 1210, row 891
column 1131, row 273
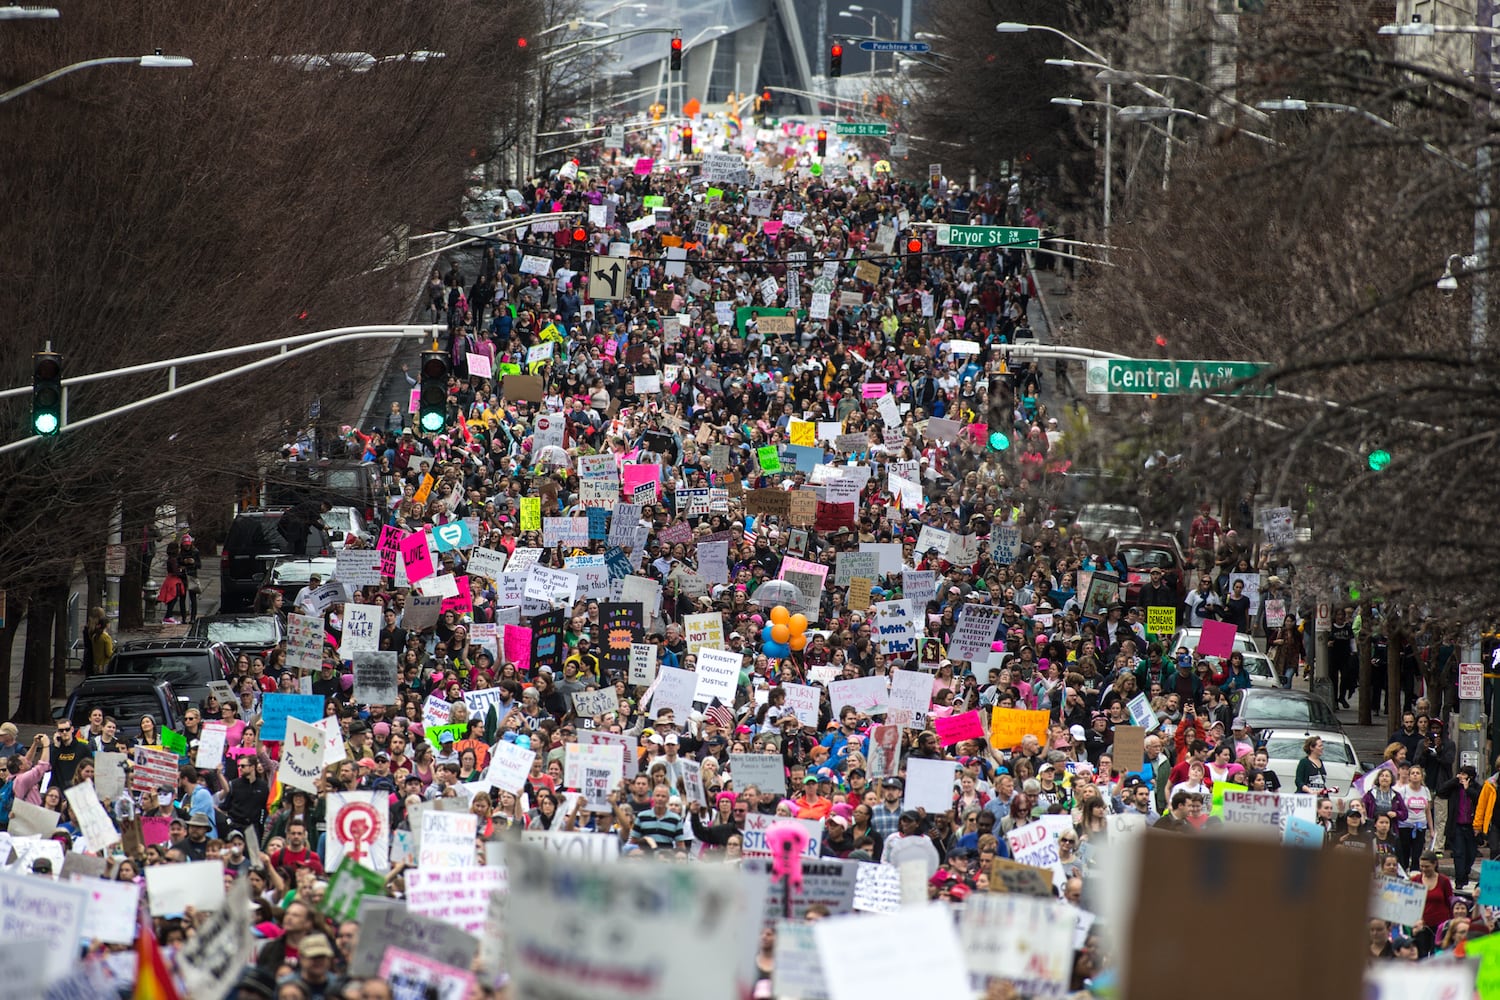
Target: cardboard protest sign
column 1130, row 748
column 1013, row 876
column 359, row 827
column 302, row 756
column 718, row 675
column 1216, row 639
column 382, row 921
column 826, row 882
column 411, row 974
column 763, row 770
column 510, row 766
column 1023, row 939
column 913, row 952
column 600, row 848
column 929, row 784
column 1400, row 901
column 457, row 896
column 92, row 819
column 212, row 742
column 275, row 709
column 376, row 678
column 447, row 840
column 952, row 729
column 49, row 916
column 644, row 929
column 978, row 624
column 174, row 888
column 1008, row 726
column 211, row 960
column 877, row 888
column 27, row 820
column 642, row 663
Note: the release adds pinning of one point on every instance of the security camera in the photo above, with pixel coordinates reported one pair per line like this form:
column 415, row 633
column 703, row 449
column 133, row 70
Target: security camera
column 1447, row 284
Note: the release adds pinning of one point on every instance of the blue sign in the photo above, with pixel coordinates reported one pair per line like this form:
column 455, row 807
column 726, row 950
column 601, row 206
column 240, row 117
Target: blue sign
column 895, row 46
column 598, row 523
column 453, row 535
column 275, row 709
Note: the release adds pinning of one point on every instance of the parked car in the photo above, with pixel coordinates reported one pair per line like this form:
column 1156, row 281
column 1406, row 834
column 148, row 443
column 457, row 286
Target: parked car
column 290, row 575
column 1258, row 666
column 252, row 543
column 1097, row 521
column 1284, row 752
column 1144, row 552
column 189, row 664
column 242, row 633
column 125, row 698
column 1080, row 487
column 343, row 522
column 1188, row 637
column 1278, row 708
column 342, row 482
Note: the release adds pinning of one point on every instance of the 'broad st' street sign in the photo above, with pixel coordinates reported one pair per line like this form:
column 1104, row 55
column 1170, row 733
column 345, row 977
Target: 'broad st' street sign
column 862, row 128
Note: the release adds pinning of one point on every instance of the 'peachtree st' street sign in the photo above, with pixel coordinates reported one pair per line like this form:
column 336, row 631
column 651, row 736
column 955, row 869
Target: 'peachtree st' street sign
column 1173, row 377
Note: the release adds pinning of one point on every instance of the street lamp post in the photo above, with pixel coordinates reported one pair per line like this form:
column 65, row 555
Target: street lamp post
column 157, row 61
column 1017, row 27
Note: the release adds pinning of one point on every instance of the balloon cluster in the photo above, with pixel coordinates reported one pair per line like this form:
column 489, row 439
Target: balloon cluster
column 784, row 633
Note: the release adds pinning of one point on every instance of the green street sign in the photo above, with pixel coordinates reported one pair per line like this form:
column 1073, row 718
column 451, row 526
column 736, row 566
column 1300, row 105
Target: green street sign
column 988, row 236
column 861, row 128
column 1169, row 378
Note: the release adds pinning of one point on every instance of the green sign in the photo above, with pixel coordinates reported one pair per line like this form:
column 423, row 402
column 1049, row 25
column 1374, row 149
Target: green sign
column 1174, row 377
column 769, row 460
column 862, row 128
column 988, row 236
column 350, row 883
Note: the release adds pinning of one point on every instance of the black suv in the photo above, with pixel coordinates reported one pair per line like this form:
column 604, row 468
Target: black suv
column 254, row 635
column 253, row 542
column 125, row 699
column 188, row 664
column 343, row 483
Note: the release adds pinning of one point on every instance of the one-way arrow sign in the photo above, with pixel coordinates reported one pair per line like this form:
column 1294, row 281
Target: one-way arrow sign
column 873, row 46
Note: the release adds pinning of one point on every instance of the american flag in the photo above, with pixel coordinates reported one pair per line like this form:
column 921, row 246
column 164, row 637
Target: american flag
column 716, row 714
column 750, row 529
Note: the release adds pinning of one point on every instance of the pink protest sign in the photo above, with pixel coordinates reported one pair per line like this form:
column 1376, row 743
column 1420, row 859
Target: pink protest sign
column 156, row 830
column 415, row 403
column 1216, row 639
column 771, row 227
column 632, row 476
column 872, row 390
column 611, row 348
column 416, row 556
column 952, row 728
column 390, row 549
column 517, row 639
column 643, row 165
column 464, row 603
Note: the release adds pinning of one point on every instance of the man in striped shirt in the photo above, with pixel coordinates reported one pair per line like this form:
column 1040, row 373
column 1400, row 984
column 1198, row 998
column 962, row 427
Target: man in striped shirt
column 658, row 827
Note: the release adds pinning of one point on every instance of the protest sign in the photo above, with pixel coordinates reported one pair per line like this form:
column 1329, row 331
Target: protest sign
column 796, row 970
column 877, row 888
column 376, row 678
column 1023, row 939
column 111, row 914
column 884, row 760
column 361, row 629
column 47, row 914
column 21, row 973
column 1129, row 749
column 654, row 910
column 919, row 586
column 1141, row 713
column 357, row 567
column 828, row 882
column 174, row 888
column 458, row 896
column 349, row 883
column 642, row 663
column 913, row 952
column 88, row 812
column 763, row 770
column 674, row 690
column 929, row 784
column 757, row 824
column 275, row 709
column 1013, row 876
column 1216, row 639
column 158, row 768
column 866, row 694
column 1161, row 621
column 27, row 820
column 910, row 698
column 302, row 756
column 625, row 744
column 1400, row 901
column 211, row 745
column 590, row 704
column 1034, row 844
column 977, row 627
column 382, row 921
column 211, row 960
column 359, row 826
column 705, row 630
column 895, row 627
column 447, row 840
column 718, row 675
column 412, row 975
column 1008, row 726
column 802, row 700
column 109, row 775
column 510, row 766
column 551, row 586
column 952, row 729
column 600, row 848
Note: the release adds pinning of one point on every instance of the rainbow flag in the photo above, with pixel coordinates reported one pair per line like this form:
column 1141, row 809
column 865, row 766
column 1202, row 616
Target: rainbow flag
column 153, row 980
column 276, row 790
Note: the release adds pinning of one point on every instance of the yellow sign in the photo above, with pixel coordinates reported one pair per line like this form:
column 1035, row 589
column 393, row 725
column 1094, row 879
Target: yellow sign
column 425, row 489
column 803, row 433
column 1161, row 621
column 1009, row 725
column 531, row 513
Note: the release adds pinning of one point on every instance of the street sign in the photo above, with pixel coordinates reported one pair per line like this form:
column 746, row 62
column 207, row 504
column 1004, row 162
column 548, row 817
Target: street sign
column 1470, row 681
column 988, row 236
column 1167, row 378
column 862, row 128
column 114, row 561
column 608, row 277
column 899, row 145
column 1323, row 618
column 895, row 46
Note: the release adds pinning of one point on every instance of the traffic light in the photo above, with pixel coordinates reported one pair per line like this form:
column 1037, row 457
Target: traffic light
column 997, row 434
column 836, row 60
column 914, row 258
column 1379, row 460
column 822, row 142
column 580, row 234
column 687, row 140
column 677, row 52
column 432, row 393
column 520, row 43
column 46, row 392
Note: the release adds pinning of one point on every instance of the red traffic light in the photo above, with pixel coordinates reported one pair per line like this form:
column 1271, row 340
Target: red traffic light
column 676, row 44
column 520, row 43
column 913, row 245
column 687, row 132
column 837, row 51
column 765, row 95
column 822, row 135
column 580, row 234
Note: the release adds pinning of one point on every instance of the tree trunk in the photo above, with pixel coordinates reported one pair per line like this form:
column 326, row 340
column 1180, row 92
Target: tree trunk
column 1366, row 668
column 61, row 640
column 15, row 607
column 132, row 611
column 36, row 698
column 1397, row 632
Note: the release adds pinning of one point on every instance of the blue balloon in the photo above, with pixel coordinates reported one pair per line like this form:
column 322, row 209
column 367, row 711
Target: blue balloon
column 780, row 650
column 765, row 633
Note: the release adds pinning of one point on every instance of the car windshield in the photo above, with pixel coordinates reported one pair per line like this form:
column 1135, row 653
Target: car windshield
column 1258, row 666
column 340, row 520
column 301, row 572
column 259, row 629
column 1111, row 514
column 1334, row 751
column 1146, row 558
column 1305, row 712
column 178, row 668
column 126, row 708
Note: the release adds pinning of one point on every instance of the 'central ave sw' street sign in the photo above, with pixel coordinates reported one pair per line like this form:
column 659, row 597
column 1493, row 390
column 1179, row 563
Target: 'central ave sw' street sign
column 1173, row 377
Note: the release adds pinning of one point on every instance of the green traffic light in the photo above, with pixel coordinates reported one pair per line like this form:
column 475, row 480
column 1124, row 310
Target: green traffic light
column 432, row 421
column 45, row 423
column 1379, row 459
column 999, row 441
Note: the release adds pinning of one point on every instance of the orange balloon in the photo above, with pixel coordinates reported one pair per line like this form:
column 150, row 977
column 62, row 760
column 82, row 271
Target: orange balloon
column 779, row 615
column 780, row 633
column 798, row 642
column 798, row 624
